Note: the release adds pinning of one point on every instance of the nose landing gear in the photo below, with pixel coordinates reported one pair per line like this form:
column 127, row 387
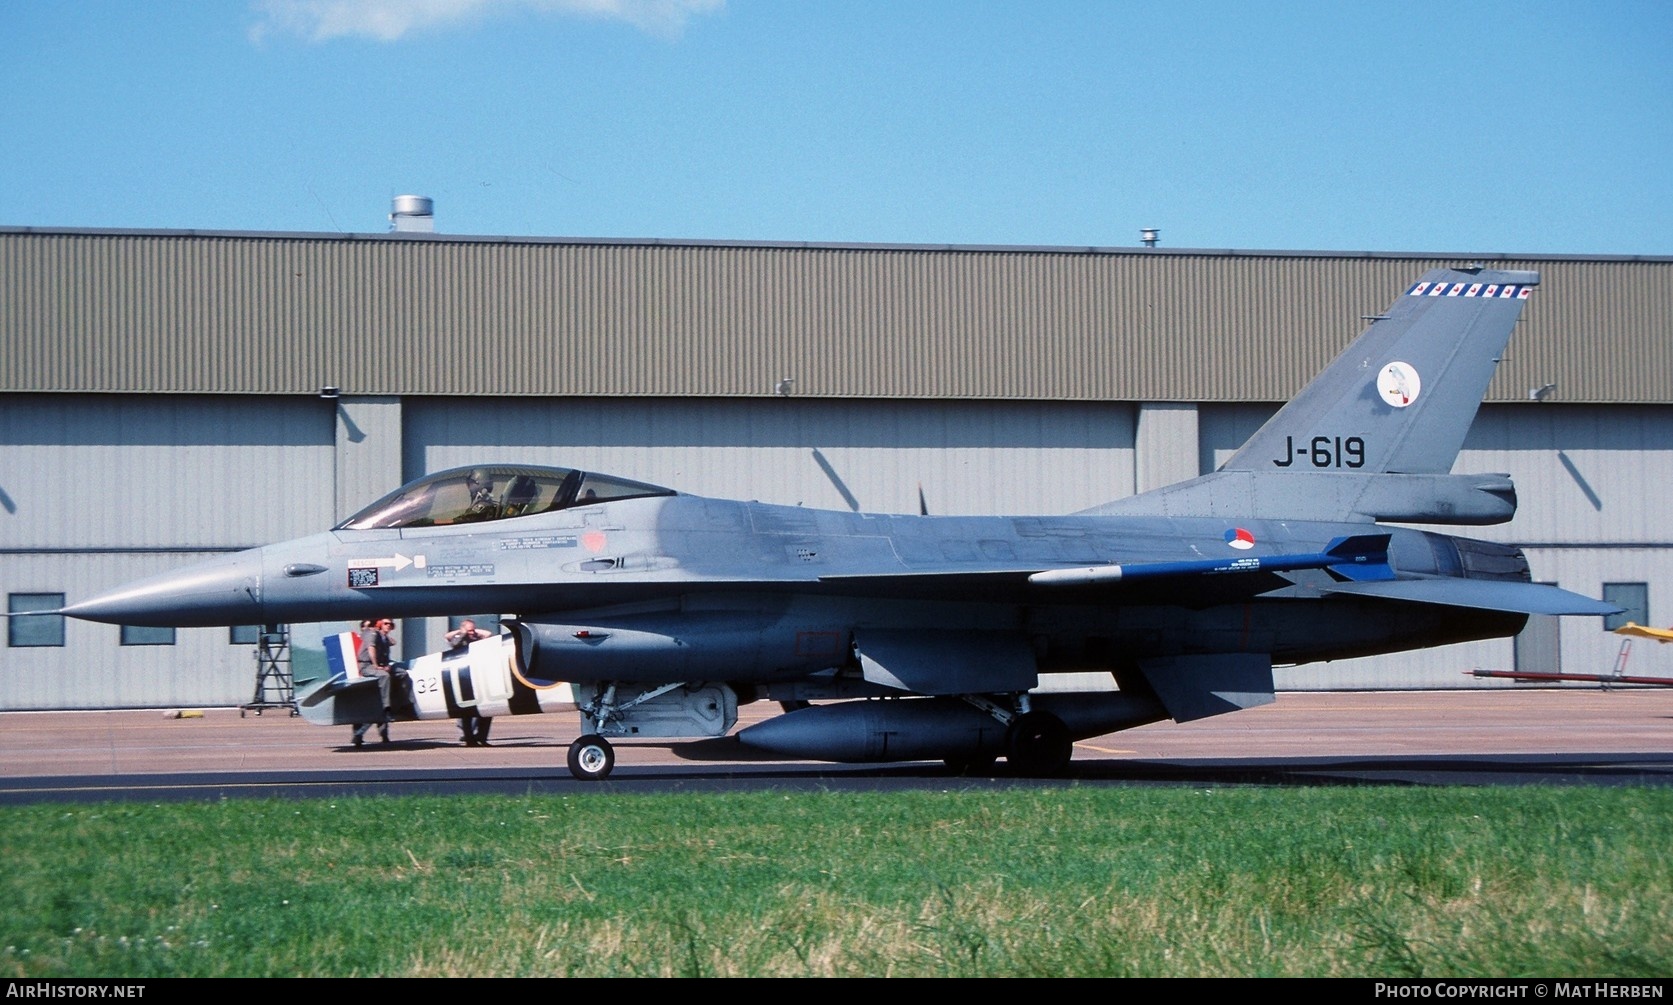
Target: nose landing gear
column 591, row 757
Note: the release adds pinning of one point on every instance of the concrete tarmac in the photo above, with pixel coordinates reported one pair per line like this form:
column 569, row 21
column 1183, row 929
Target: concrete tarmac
column 1518, row 735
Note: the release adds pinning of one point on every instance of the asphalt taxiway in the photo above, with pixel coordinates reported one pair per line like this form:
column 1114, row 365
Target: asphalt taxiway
column 1584, row 736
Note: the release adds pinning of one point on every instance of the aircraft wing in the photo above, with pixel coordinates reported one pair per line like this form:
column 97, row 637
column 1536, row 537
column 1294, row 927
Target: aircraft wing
column 1488, row 594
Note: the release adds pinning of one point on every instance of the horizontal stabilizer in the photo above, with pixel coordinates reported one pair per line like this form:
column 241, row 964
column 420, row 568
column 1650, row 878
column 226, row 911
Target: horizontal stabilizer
column 1360, row 557
column 1486, row 594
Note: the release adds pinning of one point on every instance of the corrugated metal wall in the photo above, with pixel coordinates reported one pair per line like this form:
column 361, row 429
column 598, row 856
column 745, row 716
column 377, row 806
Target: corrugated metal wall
column 135, row 473
column 388, row 315
column 100, row 490
column 1585, row 476
column 92, row 669
column 967, row 458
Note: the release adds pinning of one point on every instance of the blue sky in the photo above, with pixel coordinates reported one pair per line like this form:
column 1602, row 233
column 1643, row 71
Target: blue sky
column 1517, row 127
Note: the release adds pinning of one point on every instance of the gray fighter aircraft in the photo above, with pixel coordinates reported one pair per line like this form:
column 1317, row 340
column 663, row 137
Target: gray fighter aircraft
column 654, row 613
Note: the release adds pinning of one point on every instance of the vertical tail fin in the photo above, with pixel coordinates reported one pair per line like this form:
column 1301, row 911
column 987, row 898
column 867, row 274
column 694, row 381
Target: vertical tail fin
column 1374, row 435
column 1400, row 398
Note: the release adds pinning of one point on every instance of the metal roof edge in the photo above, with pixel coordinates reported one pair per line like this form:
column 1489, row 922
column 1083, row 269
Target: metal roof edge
column 666, row 242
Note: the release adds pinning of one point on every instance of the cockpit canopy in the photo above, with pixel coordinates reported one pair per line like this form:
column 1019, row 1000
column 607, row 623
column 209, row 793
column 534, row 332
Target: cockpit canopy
column 493, row 492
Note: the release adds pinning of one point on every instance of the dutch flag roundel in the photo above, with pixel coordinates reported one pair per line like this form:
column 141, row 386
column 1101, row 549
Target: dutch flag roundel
column 1240, row 539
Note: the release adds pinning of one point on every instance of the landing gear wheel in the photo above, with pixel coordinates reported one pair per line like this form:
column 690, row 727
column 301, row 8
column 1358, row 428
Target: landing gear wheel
column 1038, row 744
column 970, row 764
column 591, row 758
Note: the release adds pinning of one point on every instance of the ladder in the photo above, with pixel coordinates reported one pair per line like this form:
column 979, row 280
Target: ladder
column 1621, row 661
column 273, row 679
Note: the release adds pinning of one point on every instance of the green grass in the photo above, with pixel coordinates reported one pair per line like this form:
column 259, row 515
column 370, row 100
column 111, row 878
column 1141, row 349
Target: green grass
column 1358, row 882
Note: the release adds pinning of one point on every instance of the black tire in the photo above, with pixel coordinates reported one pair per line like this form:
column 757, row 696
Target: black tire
column 1038, row 745
column 591, row 758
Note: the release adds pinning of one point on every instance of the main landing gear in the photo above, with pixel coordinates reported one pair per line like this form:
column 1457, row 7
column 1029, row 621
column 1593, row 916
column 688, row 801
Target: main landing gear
column 1038, row 744
column 591, row 757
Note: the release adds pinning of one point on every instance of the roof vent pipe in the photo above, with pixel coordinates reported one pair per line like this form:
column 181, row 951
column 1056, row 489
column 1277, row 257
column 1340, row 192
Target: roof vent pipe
column 413, row 214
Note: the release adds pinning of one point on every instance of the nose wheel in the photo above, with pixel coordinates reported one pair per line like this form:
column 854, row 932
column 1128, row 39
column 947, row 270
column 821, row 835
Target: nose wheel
column 591, row 757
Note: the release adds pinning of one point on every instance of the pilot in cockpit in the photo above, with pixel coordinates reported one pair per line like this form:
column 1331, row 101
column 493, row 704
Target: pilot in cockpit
column 480, row 484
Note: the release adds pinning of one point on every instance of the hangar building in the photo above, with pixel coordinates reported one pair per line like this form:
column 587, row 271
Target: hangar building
column 169, row 394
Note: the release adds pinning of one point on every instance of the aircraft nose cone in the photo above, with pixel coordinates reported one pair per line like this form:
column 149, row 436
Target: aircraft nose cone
column 221, row 591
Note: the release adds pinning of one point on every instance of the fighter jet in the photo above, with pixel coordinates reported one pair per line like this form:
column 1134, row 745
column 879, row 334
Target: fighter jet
column 654, row 613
